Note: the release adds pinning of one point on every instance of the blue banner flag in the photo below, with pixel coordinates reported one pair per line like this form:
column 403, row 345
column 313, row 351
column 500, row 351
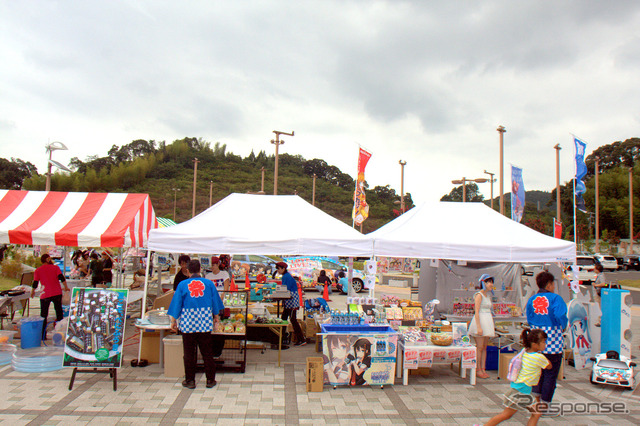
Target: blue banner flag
column 517, row 194
column 581, row 172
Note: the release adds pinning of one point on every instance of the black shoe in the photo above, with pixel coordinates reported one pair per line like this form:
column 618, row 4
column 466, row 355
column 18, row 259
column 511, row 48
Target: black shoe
column 275, row 347
column 211, row 383
column 191, row 384
column 301, row 343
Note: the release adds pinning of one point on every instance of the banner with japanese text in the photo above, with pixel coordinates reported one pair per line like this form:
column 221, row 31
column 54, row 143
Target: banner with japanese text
column 360, row 206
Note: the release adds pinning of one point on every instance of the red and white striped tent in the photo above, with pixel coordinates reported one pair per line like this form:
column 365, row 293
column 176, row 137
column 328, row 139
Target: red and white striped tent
column 83, row 219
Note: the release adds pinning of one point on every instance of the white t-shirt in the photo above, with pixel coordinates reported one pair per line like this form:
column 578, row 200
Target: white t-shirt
column 218, row 279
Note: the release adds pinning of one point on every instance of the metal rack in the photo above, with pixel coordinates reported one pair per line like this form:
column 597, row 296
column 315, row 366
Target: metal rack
column 234, row 354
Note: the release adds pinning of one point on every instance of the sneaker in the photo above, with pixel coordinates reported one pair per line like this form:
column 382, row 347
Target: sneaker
column 211, row 383
column 301, row 343
column 191, row 384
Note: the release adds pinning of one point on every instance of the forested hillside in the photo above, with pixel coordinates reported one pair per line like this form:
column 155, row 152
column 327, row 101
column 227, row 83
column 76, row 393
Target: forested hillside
column 166, row 170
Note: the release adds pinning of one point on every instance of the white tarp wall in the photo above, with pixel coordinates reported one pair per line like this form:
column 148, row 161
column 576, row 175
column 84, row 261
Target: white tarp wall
column 448, row 281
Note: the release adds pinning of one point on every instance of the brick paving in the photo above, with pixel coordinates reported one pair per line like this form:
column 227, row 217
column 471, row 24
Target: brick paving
column 266, row 394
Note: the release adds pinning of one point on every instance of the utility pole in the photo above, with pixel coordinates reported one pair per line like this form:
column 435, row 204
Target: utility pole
column 210, row 193
column 597, row 205
column 195, row 178
column 502, row 131
column 630, row 210
column 491, row 179
column 313, row 194
column 262, row 184
column 277, row 142
column 558, row 206
column 402, row 164
column 175, row 198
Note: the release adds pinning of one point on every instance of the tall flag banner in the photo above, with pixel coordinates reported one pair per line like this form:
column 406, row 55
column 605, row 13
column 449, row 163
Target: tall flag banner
column 517, row 194
column 360, row 206
column 581, row 172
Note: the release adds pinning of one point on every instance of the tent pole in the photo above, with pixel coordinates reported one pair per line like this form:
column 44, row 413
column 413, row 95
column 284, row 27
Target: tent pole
column 146, row 283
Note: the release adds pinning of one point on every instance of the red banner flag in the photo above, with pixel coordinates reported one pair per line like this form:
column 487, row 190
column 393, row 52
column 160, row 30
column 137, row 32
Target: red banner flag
column 557, row 229
column 360, row 206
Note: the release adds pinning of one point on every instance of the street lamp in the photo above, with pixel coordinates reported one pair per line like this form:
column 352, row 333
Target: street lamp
column 464, row 181
column 54, row 146
column 491, row 180
column 175, row 197
column 502, row 131
column 277, row 143
column 402, row 164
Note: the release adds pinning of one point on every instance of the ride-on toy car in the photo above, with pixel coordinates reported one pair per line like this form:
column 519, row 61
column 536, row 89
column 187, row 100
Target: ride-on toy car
column 610, row 368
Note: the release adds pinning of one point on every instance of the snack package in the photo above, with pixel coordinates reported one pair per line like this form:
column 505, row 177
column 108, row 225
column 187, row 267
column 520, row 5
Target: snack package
column 229, row 328
column 241, row 328
column 217, row 327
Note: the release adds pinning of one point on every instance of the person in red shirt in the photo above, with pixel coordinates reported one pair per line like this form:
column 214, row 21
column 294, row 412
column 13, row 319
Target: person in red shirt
column 50, row 276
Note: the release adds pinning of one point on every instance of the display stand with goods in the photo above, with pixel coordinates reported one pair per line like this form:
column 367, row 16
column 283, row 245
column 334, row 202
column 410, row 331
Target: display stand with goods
column 233, row 328
column 95, row 331
column 359, row 355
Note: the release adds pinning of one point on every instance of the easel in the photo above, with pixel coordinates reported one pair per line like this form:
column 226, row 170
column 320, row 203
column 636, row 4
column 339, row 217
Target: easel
column 113, row 373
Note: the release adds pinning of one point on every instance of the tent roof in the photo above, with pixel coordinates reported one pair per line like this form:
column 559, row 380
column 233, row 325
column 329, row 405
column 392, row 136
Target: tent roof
column 466, row 231
column 75, row 218
column 262, row 224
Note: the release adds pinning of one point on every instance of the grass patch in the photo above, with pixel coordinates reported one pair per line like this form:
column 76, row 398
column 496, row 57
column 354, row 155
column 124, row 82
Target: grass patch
column 630, row 283
column 8, row 283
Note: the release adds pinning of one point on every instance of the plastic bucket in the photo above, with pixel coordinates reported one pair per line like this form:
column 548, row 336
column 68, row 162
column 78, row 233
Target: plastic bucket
column 31, row 332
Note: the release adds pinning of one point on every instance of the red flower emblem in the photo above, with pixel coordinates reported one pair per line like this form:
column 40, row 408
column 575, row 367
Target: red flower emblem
column 196, row 288
column 540, row 305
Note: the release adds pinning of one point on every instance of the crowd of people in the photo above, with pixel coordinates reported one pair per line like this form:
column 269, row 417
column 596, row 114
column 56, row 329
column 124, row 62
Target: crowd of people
column 87, row 264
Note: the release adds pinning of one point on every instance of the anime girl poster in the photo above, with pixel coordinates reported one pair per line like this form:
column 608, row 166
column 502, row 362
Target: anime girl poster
column 336, row 351
column 579, row 339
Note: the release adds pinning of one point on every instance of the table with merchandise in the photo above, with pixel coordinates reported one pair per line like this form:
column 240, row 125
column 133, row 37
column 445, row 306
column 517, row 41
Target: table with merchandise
column 418, row 350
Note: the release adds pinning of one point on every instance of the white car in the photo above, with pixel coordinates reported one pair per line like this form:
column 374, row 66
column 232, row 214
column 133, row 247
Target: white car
column 612, row 369
column 608, row 262
column 586, row 269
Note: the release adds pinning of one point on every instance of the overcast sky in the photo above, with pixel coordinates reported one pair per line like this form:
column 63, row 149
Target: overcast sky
column 425, row 82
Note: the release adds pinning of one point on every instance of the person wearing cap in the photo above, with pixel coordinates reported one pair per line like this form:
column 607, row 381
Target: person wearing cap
column 481, row 327
column 291, row 305
column 219, row 277
column 50, row 276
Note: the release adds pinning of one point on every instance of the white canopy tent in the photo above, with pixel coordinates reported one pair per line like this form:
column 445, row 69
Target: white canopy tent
column 262, row 224
column 466, row 231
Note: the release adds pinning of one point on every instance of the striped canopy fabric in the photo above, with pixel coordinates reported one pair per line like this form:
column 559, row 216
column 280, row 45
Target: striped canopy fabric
column 164, row 222
column 83, row 219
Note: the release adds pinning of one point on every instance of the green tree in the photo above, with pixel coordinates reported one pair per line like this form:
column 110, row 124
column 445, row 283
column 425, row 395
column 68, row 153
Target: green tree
column 13, row 173
column 472, row 194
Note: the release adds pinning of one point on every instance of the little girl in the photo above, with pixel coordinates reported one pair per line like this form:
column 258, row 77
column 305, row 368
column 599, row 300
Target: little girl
column 519, row 397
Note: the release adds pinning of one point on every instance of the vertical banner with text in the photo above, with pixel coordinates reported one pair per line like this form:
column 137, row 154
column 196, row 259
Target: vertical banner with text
column 517, row 194
column 360, row 207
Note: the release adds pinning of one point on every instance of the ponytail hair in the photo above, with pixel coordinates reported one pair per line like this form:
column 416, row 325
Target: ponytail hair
column 529, row 337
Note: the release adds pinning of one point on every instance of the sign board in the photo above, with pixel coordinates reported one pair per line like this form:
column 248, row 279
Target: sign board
column 95, row 331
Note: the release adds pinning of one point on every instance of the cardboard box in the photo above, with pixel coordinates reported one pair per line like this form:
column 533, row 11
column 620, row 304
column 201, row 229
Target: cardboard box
column 422, row 371
column 163, row 301
column 505, row 359
column 150, row 346
column 173, row 356
column 314, row 374
column 312, row 327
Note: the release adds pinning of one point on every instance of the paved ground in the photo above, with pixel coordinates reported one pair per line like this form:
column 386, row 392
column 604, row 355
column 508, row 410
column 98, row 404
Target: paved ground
column 266, row 394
